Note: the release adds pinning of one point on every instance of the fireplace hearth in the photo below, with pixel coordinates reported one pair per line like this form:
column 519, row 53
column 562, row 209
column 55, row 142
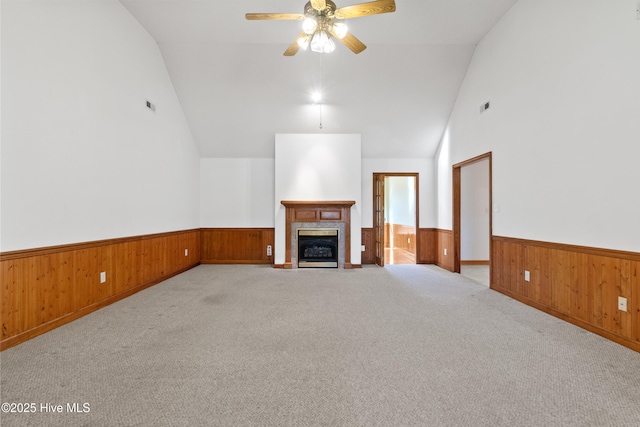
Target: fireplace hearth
column 318, row 248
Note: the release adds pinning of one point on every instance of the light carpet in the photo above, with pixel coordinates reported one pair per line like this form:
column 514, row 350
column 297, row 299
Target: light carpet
column 403, row 345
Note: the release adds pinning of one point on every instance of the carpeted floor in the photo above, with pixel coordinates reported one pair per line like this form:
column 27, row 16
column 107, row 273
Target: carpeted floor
column 251, row 345
column 479, row 273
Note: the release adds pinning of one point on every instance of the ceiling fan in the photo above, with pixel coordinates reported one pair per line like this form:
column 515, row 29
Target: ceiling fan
column 322, row 19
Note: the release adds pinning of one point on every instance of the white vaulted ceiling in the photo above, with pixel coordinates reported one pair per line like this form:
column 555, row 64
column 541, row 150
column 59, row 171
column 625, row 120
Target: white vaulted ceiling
column 238, row 90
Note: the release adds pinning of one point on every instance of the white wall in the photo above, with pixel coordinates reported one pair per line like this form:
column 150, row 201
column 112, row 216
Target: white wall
column 1, row 125
column 317, row 167
column 426, row 186
column 474, row 211
column 562, row 78
column 444, row 182
column 249, row 185
column 82, row 157
column 400, row 193
column 237, row 193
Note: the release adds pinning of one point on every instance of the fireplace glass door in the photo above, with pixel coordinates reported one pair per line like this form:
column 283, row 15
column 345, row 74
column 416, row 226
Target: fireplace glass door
column 318, row 247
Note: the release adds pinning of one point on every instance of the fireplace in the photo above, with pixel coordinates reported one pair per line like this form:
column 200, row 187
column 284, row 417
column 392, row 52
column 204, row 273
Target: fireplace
column 318, row 247
column 318, row 215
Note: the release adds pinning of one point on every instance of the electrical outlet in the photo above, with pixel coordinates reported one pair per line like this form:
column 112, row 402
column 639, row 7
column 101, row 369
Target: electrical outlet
column 622, row 304
column 269, row 250
column 527, row 276
column 445, row 251
column 186, row 252
column 103, row 276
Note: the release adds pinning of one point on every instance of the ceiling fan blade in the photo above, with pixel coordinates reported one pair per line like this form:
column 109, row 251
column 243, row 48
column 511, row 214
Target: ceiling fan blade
column 364, row 9
column 295, row 47
column 274, row 16
column 319, row 4
column 351, row 42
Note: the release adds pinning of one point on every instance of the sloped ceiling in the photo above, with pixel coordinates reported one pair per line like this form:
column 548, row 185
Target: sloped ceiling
column 238, row 90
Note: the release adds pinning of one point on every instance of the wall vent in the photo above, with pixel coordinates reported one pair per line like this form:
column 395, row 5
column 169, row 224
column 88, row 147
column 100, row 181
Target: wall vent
column 151, row 107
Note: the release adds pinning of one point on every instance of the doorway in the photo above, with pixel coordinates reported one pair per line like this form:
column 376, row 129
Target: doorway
column 395, row 217
column 472, row 218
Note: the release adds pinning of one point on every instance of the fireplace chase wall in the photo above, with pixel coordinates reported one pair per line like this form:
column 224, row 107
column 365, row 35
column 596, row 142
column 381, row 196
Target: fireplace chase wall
column 318, row 215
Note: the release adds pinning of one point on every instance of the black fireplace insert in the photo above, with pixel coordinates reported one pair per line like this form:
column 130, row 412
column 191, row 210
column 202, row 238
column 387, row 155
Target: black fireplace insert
column 318, row 247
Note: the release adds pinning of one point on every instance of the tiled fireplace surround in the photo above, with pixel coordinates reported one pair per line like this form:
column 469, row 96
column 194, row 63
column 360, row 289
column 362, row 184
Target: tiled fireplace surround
column 318, row 214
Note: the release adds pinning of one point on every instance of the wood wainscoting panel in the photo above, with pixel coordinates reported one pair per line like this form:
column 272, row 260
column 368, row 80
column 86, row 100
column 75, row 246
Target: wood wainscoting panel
column 44, row 288
column 237, row 245
column 387, row 235
column 425, row 242
column 633, row 301
column 403, row 237
column 578, row 284
column 427, row 246
column 444, row 240
column 368, row 255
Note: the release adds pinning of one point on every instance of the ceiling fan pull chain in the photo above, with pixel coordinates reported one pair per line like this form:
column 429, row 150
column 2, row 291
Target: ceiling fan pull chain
column 320, row 103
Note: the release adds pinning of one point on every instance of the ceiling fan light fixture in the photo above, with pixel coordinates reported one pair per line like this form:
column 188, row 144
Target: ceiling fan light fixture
column 340, row 29
column 309, row 25
column 330, row 46
column 323, row 23
column 303, row 42
column 322, row 43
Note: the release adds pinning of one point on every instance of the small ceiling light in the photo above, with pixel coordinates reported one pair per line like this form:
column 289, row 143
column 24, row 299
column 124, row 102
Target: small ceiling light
column 340, row 29
column 316, row 97
column 309, row 26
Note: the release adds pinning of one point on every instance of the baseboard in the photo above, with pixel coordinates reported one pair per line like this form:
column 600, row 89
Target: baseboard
column 235, row 261
column 475, row 262
column 289, row 266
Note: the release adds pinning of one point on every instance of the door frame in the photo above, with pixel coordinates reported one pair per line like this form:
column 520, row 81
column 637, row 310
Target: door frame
column 383, row 175
column 457, row 202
